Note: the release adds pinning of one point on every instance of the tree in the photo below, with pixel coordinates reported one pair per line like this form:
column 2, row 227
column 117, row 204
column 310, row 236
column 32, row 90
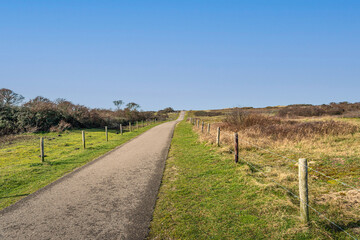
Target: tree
column 118, row 104
column 9, row 98
column 132, row 106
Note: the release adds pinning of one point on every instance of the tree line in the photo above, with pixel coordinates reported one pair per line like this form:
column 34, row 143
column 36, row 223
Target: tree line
column 41, row 114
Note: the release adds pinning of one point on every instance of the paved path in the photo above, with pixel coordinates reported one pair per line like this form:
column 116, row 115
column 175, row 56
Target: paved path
column 110, row 198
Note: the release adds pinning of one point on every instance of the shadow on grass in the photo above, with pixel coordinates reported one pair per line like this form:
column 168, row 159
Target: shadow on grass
column 355, row 224
column 18, row 195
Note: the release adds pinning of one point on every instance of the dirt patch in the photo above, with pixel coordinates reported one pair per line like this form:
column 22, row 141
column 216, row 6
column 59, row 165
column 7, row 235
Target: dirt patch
column 12, row 139
column 350, row 199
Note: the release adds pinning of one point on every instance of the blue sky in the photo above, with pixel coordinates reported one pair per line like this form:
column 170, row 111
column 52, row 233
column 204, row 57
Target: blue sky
column 184, row 54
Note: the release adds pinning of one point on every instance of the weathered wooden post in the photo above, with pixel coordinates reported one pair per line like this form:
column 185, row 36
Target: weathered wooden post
column 129, row 126
column 208, row 128
column 303, row 190
column 236, row 147
column 121, row 130
column 198, row 122
column 83, row 139
column 137, row 125
column 42, row 155
column 142, row 123
column 202, row 126
column 218, row 137
column 106, row 133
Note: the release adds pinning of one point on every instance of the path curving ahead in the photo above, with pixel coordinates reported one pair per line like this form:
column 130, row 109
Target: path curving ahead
column 112, row 197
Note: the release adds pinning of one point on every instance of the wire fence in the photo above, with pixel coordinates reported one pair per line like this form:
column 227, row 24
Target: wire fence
column 205, row 128
column 56, row 141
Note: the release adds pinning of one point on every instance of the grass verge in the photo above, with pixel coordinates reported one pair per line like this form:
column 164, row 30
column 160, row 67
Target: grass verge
column 22, row 172
column 205, row 195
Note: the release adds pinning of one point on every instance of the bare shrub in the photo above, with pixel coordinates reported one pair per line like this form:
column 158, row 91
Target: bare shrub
column 62, row 126
column 308, row 110
column 257, row 125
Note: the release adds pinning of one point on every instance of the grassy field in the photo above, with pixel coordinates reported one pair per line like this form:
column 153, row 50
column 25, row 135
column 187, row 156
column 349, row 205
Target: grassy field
column 205, row 195
column 22, row 172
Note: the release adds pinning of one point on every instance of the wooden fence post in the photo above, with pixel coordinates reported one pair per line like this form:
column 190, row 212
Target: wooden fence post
column 42, row 155
column 83, row 139
column 236, row 147
column 303, row 190
column 208, row 128
column 198, row 122
column 142, row 123
column 202, row 126
column 137, row 125
column 106, row 133
column 129, row 126
column 121, row 130
column 218, row 137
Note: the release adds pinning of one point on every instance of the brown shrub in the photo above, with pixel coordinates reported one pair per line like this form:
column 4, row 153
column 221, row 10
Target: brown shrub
column 308, row 110
column 62, row 126
column 256, row 125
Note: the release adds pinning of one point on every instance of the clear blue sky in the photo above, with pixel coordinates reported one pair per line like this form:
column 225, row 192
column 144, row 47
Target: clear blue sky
column 185, row 54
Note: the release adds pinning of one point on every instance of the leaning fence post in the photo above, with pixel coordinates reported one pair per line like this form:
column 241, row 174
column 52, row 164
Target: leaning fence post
column 202, row 126
column 42, row 155
column 208, row 128
column 218, row 137
column 121, row 130
column 303, row 190
column 83, row 139
column 236, row 147
column 106, row 133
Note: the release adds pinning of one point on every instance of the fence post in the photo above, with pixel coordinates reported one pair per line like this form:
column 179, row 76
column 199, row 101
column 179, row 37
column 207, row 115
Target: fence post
column 42, row 155
column 303, row 190
column 198, row 122
column 106, row 133
column 121, row 130
column 130, row 126
column 137, row 125
column 83, row 139
column 218, row 137
column 236, row 147
column 208, row 128
column 142, row 123
column 202, row 126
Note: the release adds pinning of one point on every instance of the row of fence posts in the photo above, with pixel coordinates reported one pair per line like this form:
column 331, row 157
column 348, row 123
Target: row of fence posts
column 303, row 170
column 42, row 152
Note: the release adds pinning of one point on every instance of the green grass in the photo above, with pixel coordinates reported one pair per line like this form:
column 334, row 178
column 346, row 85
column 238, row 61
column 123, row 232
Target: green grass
column 22, row 172
column 205, row 195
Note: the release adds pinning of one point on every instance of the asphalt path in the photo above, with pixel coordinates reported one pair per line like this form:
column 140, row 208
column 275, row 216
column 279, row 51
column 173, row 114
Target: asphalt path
column 112, row 197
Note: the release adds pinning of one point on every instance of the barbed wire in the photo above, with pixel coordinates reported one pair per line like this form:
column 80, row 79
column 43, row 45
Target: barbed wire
column 296, row 196
column 312, row 169
column 284, row 157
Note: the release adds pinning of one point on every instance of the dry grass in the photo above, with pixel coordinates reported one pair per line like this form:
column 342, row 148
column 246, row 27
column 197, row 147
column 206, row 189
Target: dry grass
column 330, row 144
